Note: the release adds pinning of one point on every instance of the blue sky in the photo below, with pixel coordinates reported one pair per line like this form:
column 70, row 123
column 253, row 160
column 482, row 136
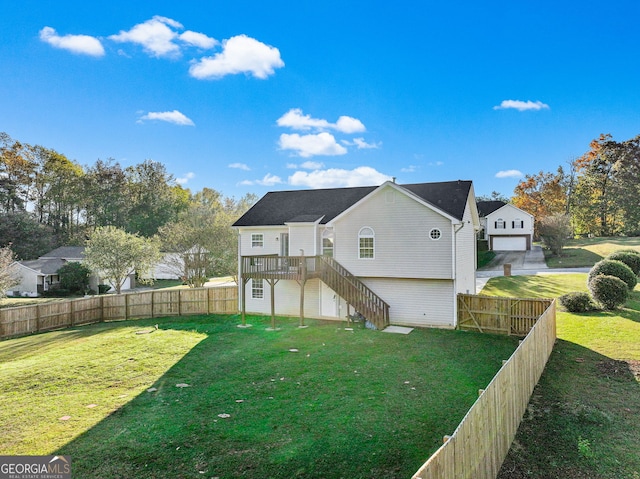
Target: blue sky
column 254, row 96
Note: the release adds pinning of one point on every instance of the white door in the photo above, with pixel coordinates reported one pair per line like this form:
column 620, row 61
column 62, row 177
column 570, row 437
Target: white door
column 510, row 243
column 328, row 302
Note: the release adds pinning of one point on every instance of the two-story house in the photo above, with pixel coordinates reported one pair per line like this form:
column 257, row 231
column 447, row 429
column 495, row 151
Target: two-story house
column 505, row 227
column 397, row 254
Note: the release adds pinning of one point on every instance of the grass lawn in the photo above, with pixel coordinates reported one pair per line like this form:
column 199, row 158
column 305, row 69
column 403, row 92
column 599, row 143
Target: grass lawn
column 583, row 420
column 586, row 252
column 319, row 402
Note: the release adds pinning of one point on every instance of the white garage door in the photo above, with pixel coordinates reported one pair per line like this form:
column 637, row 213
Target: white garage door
column 512, row 243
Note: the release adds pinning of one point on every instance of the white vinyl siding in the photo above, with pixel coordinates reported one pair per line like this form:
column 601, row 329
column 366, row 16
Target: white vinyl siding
column 417, row 302
column 287, row 299
column 402, row 244
column 271, row 241
column 465, row 244
column 303, row 236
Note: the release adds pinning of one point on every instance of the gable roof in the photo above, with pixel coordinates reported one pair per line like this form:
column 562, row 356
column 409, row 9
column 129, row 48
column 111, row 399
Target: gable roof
column 487, row 207
column 65, row 252
column 44, row 266
column 279, row 207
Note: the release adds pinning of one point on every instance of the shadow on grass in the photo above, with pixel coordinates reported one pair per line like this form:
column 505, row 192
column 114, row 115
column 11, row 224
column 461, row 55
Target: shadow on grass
column 572, row 257
column 582, row 419
column 320, row 402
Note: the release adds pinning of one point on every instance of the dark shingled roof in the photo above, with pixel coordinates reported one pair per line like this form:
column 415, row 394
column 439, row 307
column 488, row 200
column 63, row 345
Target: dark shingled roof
column 66, row 252
column 279, row 207
column 44, row 266
column 487, row 207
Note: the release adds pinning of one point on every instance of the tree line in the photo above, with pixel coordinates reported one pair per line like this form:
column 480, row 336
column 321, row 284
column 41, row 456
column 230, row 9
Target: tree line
column 597, row 193
column 48, row 200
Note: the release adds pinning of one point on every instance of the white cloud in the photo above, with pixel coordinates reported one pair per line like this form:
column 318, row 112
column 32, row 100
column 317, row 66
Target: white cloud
column 240, row 54
column 311, row 145
column 185, row 179
column 169, row 116
column 240, row 166
column 268, row 180
column 361, row 144
column 436, row 163
column 521, row 105
column 336, row 178
column 509, row 174
column 159, row 37
column 155, row 35
column 81, row 44
column 312, row 165
column 199, row 40
column 409, row 169
column 297, row 120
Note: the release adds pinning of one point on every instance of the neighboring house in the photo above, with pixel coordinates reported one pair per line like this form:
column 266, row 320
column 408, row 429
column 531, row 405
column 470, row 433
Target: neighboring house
column 505, row 227
column 40, row 275
column 395, row 253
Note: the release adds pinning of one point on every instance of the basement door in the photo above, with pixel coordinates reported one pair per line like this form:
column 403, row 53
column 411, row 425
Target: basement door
column 329, row 302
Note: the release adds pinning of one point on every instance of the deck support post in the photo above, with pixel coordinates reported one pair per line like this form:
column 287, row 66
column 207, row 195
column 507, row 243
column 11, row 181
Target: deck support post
column 272, row 286
column 303, row 281
column 243, row 285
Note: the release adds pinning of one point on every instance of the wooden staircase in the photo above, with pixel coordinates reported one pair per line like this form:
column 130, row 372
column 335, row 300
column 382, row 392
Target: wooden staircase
column 353, row 291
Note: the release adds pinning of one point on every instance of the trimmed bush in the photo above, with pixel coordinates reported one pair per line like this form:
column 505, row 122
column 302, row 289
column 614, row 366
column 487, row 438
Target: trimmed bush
column 629, row 257
column 611, row 292
column 103, row 288
column 614, row 268
column 577, row 302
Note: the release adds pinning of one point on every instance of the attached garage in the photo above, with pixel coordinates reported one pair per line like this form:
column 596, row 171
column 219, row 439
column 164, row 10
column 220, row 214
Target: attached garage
column 509, row 243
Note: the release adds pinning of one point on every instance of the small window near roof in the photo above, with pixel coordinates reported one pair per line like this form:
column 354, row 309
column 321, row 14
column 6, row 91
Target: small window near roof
column 517, row 224
column 435, row 234
column 257, row 240
column 500, row 224
column 366, row 243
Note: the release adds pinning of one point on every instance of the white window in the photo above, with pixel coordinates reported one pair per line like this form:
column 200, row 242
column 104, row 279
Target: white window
column 435, row 234
column 327, row 242
column 500, row 224
column 257, row 240
column 257, row 288
column 366, row 243
column 517, row 224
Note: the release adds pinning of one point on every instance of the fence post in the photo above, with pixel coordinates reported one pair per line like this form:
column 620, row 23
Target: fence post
column 153, row 296
column 126, row 306
column 102, row 309
column 37, row 318
column 71, row 313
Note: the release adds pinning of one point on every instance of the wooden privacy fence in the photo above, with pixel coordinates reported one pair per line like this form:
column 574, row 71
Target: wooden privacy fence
column 148, row 304
column 478, row 447
column 492, row 314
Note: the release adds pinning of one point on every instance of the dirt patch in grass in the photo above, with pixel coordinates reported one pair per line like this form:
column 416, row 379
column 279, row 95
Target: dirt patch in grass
column 620, row 369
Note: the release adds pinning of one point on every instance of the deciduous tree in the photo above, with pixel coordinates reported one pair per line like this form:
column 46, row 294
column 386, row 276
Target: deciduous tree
column 8, row 272
column 114, row 255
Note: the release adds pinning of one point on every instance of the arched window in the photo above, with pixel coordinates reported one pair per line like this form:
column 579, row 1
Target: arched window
column 500, row 224
column 366, row 243
column 517, row 224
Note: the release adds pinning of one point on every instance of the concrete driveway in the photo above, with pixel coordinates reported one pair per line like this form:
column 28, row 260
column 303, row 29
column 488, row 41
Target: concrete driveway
column 519, row 260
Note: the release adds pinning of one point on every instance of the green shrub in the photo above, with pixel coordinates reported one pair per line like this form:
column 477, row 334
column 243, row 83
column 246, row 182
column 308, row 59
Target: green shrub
column 629, row 257
column 103, row 288
column 611, row 292
column 577, row 302
column 614, row 268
